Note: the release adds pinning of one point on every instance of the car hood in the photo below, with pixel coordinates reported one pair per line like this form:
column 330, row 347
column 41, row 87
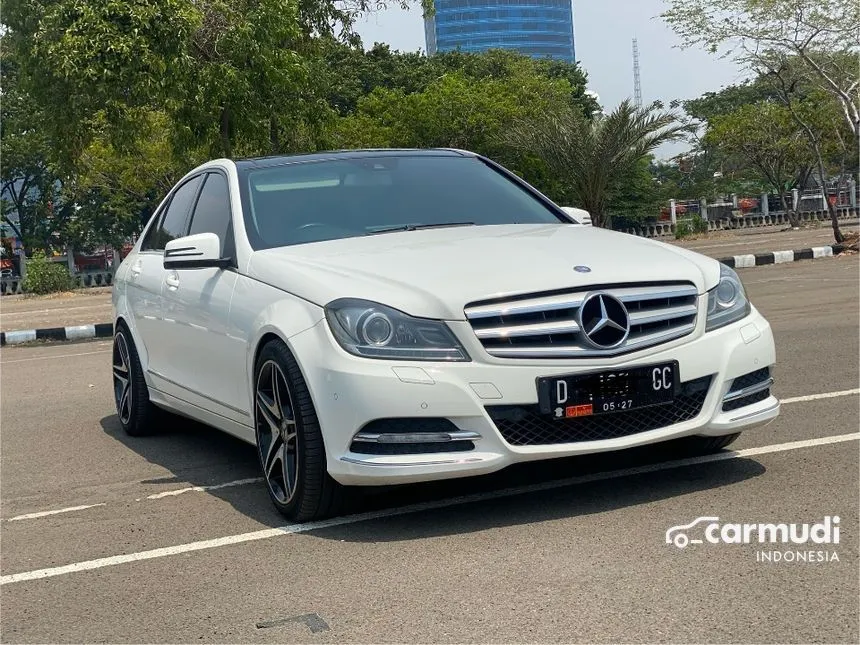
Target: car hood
column 434, row 273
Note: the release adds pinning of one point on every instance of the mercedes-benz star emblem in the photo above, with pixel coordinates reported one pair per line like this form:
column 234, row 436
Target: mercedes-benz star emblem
column 604, row 321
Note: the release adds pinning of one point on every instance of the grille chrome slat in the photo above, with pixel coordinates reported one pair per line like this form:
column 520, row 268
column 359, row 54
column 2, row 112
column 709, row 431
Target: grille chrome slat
column 670, row 313
column 548, row 326
column 563, row 327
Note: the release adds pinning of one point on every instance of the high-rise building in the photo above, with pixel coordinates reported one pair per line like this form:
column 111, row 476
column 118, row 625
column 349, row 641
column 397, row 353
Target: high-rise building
column 540, row 28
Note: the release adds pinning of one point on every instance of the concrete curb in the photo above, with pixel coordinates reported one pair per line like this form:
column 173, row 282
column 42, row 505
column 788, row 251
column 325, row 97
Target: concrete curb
column 77, row 332
column 781, row 257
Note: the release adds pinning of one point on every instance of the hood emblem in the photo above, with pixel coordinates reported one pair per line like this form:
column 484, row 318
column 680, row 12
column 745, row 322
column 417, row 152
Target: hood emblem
column 604, row 321
column 581, row 268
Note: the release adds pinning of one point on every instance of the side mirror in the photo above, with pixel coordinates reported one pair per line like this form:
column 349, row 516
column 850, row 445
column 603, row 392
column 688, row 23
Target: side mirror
column 201, row 251
column 578, row 215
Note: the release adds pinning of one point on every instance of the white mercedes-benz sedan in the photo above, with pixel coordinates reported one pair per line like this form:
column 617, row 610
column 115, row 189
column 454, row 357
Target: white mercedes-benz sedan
column 379, row 317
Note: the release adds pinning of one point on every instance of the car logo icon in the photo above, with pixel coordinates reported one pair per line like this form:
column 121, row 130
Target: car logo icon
column 604, row 321
column 581, row 268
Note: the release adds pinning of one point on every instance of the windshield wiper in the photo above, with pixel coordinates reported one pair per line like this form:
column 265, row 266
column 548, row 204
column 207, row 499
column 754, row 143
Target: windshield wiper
column 416, row 227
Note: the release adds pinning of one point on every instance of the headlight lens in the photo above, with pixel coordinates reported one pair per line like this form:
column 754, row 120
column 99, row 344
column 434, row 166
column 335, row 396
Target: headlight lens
column 727, row 302
column 369, row 329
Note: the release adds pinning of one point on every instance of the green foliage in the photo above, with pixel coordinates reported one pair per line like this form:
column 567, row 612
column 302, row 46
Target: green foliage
column 44, row 276
column 693, row 226
column 594, row 158
column 765, row 136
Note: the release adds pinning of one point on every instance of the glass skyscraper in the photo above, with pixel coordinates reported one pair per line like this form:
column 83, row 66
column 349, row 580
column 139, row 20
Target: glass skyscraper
column 540, row 28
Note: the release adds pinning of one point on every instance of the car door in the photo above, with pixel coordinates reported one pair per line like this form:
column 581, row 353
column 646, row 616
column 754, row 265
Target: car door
column 208, row 365
column 147, row 274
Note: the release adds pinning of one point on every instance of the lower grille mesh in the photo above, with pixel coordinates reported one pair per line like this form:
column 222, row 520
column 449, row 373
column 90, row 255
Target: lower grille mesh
column 525, row 426
column 744, row 381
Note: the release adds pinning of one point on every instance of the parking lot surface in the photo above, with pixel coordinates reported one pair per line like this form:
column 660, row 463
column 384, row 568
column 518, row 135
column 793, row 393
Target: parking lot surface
column 172, row 537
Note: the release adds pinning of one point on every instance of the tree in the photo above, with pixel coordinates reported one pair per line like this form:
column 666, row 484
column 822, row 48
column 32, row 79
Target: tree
column 461, row 111
column 595, row 158
column 823, row 34
column 765, row 136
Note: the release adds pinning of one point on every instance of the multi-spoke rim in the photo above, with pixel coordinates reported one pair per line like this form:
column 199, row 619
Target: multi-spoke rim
column 121, row 378
column 277, row 436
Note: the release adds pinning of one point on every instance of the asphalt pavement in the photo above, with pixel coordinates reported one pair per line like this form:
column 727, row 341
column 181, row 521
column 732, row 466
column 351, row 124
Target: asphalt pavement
column 172, row 538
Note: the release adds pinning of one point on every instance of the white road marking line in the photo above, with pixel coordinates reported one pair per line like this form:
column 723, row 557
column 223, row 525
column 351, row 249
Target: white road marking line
column 816, row 397
column 255, row 480
column 44, row 358
column 412, row 508
column 32, row 516
column 203, row 489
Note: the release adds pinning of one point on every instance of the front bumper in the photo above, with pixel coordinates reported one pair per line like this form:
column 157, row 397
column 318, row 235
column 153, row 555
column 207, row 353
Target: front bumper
column 350, row 392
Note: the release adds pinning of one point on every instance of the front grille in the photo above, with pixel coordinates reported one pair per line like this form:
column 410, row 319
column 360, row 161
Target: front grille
column 526, row 426
column 743, row 382
column 548, row 325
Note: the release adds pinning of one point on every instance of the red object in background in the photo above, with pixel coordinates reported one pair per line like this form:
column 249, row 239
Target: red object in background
column 832, row 199
column 747, row 203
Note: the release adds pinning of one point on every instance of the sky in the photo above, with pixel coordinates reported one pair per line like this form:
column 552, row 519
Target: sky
column 603, row 34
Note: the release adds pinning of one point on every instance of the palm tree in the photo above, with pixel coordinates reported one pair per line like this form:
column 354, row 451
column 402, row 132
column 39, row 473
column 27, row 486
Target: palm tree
column 596, row 155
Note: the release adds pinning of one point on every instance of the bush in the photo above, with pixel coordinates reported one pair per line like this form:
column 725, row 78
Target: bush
column 46, row 277
column 694, row 226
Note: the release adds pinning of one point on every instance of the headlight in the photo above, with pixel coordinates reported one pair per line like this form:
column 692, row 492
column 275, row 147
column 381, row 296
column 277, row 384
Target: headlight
column 373, row 330
column 727, row 302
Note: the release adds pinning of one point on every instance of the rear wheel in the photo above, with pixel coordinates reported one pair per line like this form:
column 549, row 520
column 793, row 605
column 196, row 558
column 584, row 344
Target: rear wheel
column 289, row 439
column 131, row 395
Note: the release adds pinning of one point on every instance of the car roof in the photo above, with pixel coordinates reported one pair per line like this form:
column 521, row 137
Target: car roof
column 277, row 160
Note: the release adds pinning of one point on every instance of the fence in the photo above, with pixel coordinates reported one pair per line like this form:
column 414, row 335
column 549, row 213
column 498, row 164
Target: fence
column 14, row 286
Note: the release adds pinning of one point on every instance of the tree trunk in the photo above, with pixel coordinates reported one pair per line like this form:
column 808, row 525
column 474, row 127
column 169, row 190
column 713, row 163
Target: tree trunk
column 226, row 144
column 792, row 216
column 831, row 208
column 273, row 136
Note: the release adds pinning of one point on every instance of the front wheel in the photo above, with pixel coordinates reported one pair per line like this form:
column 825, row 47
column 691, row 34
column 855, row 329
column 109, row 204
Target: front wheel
column 289, row 439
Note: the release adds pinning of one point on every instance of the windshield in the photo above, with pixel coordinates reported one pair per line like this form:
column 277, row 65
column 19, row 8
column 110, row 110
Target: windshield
column 324, row 200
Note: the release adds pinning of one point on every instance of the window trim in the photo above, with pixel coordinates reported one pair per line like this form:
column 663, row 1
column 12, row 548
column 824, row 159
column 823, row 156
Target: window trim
column 231, row 228
column 158, row 218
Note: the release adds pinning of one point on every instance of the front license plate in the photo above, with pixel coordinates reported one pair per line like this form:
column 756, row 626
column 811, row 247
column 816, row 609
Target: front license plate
column 582, row 395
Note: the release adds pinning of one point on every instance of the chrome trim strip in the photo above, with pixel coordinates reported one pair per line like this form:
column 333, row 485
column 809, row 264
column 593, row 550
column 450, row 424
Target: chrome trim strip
column 575, row 351
column 574, row 300
column 747, row 391
column 196, row 393
column 634, row 294
column 550, row 303
column 534, row 329
column 399, row 464
column 434, row 437
column 669, row 313
column 755, row 414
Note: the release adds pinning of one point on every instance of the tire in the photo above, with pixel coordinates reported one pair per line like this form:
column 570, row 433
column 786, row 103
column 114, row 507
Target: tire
column 708, row 445
column 289, row 439
column 137, row 415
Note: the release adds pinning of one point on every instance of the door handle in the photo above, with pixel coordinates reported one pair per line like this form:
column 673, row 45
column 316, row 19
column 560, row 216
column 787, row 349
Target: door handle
column 136, row 269
column 172, row 280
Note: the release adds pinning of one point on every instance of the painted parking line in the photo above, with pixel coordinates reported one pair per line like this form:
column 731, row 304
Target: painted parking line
column 816, row 397
column 53, row 356
column 256, row 480
column 203, row 489
column 291, row 529
column 32, row 516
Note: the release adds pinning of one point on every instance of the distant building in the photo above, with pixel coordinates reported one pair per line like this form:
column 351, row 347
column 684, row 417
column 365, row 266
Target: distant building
column 539, row 28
